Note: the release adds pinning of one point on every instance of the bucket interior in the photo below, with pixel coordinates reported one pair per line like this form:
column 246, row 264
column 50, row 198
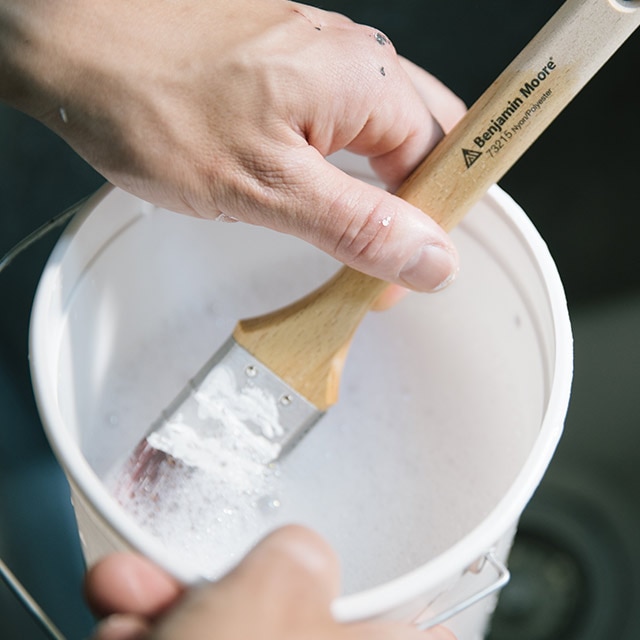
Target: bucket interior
column 443, row 398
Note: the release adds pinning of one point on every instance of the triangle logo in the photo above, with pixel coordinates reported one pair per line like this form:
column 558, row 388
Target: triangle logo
column 470, row 156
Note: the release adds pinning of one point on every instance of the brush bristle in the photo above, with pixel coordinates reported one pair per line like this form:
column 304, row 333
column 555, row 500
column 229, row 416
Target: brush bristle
column 143, row 471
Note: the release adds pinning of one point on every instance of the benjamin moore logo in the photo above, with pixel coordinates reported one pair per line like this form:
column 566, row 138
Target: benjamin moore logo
column 470, row 156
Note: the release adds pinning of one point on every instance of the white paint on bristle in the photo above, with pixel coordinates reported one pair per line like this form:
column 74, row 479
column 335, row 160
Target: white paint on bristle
column 221, row 398
column 214, row 427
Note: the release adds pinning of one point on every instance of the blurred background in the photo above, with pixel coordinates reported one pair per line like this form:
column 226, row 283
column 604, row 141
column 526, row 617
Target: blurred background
column 576, row 560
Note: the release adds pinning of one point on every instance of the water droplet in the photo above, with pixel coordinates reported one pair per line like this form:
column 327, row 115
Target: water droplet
column 385, row 222
column 251, row 371
column 268, row 504
column 286, row 400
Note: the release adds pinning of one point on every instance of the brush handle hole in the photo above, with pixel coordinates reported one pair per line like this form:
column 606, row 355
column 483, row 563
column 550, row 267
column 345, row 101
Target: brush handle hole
column 626, row 5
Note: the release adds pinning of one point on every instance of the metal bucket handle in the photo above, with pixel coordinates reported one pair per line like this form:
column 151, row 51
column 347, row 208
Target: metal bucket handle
column 440, row 610
column 29, row 603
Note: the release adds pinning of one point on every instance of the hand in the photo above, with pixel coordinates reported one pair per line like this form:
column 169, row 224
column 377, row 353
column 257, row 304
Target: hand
column 281, row 591
column 216, row 107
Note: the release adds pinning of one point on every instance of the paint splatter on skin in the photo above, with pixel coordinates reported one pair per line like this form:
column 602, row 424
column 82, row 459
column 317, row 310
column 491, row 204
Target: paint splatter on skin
column 381, row 39
column 223, row 217
column 382, row 71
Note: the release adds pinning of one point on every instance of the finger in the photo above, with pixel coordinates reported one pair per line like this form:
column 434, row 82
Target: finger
column 129, row 584
column 443, row 104
column 292, row 559
column 441, row 111
column 370, row 105
column 288, row 580
column 363, row 226
column 389, row 298
column 121, row 627
column 400, row 130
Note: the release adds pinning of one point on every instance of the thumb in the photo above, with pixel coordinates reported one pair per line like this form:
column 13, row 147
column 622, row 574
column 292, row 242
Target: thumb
column 296, row 559
column 291, row 565
column 281, row 589
column 365, row 227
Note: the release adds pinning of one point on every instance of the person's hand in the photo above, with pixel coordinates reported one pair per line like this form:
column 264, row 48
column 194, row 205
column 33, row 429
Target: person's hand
column 281, row 591
column 227, row 109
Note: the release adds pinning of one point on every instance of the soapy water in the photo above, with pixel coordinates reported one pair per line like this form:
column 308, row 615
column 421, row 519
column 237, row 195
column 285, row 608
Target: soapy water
column 202, row 481
column 211, row 510
column 370, row 477
column 391, row 477
column 218, row 439
column 206, row 516
column 209, row 449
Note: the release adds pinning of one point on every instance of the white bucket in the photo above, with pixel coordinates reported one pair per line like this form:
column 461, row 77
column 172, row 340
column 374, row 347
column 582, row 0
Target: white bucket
column 452, row 404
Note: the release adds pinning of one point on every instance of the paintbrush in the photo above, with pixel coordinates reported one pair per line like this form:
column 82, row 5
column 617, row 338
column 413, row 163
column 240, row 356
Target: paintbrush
column 278, row 373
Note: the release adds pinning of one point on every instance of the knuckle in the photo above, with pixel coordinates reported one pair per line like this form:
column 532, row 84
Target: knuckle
column 383, row 40
column 379, row 38
column 365, row 232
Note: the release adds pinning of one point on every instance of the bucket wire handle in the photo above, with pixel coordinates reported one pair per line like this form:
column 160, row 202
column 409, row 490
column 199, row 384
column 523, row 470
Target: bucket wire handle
column 57, row 220
column 29, row 603
column 8, row 577
column 501, row 579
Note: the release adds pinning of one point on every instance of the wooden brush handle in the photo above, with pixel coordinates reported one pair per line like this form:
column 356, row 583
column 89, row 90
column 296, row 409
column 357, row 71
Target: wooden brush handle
column 306, row 343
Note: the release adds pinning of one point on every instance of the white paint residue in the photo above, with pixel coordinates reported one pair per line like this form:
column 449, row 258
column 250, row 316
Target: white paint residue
column 238, row 450
column 220, row 398
column 222, row 424
column 224, row 217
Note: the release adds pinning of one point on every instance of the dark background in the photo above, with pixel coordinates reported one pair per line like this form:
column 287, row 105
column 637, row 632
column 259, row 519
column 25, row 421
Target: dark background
column 576, row 562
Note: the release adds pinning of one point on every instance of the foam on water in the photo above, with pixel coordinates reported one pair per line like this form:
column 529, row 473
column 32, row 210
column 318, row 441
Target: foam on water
column 436, row 416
